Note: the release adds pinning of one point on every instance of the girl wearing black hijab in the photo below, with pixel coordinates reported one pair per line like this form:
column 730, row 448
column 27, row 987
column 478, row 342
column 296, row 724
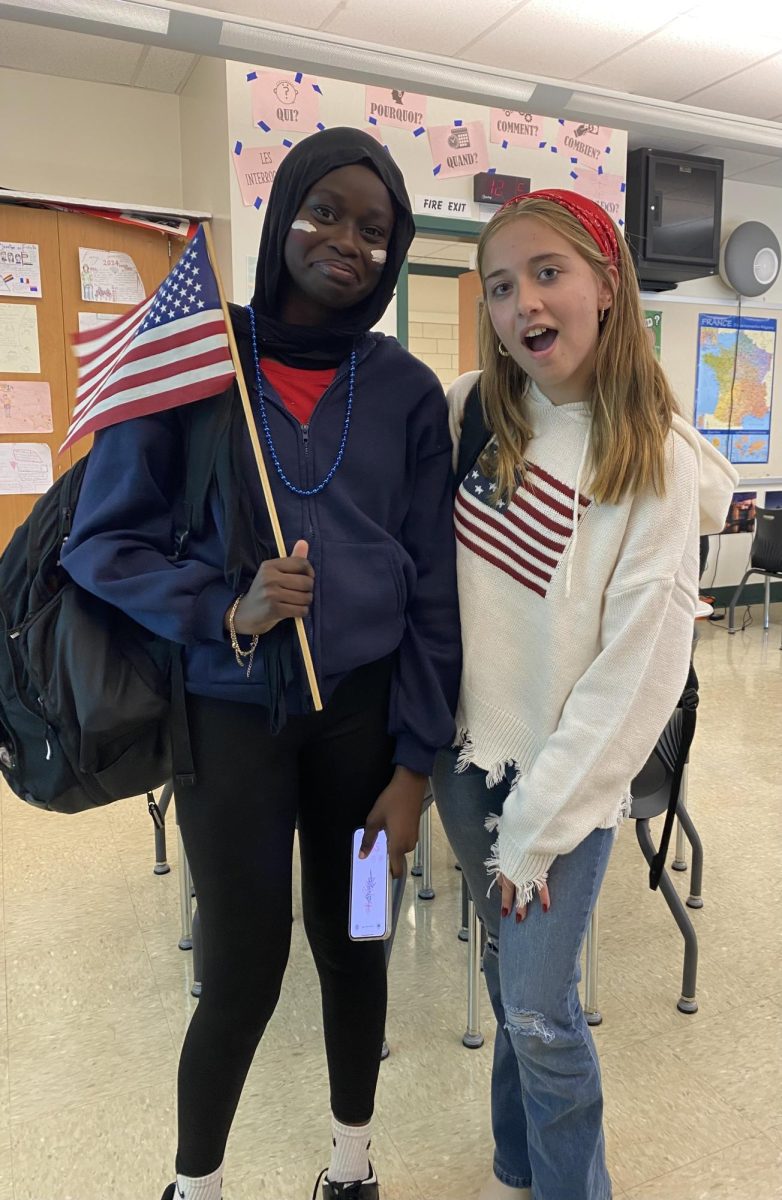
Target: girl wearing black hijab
column 355, row 434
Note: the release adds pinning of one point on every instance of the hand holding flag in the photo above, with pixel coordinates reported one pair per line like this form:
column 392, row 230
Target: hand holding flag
column 176, row 347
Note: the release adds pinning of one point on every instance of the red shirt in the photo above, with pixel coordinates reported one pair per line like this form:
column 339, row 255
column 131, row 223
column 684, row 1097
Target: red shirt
column 298, row 388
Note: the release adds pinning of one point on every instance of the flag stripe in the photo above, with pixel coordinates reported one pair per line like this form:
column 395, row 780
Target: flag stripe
column 215, row 374
column 134, row 370
column 498, row 522
column 542, row 518
column 97, row 345
column 557, row 484
column 169, row 368
column 151, row 404
column 481, row 535
column 496, row 562
column 151, row 338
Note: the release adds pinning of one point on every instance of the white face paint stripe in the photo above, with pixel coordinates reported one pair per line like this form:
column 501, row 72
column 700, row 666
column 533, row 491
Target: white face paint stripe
column 378, row 256
column 305, row 226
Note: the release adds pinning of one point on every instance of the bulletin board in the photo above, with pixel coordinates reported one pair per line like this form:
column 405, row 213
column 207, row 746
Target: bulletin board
column 37, row 317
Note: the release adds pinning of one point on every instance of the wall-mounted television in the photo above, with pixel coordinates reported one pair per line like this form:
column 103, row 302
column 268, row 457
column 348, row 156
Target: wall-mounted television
column 673, row 216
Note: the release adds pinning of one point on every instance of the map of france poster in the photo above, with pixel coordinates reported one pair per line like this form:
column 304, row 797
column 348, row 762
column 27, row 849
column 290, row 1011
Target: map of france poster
column 733, row 384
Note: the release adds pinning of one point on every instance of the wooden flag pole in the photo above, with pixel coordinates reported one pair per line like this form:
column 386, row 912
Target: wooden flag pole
column 259, row 460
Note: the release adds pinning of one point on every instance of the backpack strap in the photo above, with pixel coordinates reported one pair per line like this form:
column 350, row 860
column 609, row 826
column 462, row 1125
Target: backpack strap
column 688, row 705
column 202, row 424
column 474, row 435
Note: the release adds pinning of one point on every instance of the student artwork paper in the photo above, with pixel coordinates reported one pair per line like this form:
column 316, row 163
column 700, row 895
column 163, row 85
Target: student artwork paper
column 458, row 149
column 393, row 106
column 91, row 320
column 20, row 270
column 25, row 468
column 19, row 353
column 255, row 168
column 25, row 407
column 285, row 100
column 109, row 277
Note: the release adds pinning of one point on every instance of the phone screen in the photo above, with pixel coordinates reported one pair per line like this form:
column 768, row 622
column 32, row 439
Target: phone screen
column 370, row 891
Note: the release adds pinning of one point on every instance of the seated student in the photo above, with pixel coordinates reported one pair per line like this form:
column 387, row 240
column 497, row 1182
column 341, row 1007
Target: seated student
column 357, row 432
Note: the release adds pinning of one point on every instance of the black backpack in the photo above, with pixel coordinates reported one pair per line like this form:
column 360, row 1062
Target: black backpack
column 91, row 703
column 674, row 744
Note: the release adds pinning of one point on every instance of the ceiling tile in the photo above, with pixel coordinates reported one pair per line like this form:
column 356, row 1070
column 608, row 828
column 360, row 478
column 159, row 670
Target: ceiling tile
column 164, row 70
column 752, row 93
column 439, row 26
column 562, row 38
column 770, row 174
column 307, row 13
column 734, row 160
column 61, row 52
column 689, row 54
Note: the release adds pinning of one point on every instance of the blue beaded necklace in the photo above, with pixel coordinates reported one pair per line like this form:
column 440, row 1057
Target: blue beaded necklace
column 314, row 491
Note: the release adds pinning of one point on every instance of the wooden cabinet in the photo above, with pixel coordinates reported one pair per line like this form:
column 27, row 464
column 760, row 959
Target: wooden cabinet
column 59, row 235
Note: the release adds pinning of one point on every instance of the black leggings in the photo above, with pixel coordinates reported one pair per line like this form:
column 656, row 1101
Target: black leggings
column 325, row 770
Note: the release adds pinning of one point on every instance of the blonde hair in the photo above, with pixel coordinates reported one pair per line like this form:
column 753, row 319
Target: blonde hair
column 632, row 404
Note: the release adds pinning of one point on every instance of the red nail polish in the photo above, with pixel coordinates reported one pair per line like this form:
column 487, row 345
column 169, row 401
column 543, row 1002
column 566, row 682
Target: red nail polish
column 519, row 918
column 504, row 911
column 546, row 907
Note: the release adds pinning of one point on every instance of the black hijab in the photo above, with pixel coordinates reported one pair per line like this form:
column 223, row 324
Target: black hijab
column 308, row 162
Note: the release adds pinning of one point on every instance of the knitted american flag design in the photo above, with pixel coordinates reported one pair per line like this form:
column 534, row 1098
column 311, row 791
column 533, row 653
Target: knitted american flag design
column 525, row 538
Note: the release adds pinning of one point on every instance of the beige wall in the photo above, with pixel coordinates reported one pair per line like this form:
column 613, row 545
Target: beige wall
column 433, row 327
column 205, row 164
column 97, row 140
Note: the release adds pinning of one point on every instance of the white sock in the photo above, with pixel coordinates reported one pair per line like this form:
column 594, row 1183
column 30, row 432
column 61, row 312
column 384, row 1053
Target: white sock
column 206, row 1187
column 349, row 1153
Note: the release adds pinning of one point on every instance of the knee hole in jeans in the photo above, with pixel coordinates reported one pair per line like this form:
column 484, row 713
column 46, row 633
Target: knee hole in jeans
column 521, row 1023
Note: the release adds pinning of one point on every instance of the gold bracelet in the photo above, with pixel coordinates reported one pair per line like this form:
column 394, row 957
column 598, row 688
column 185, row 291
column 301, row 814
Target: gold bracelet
column 240, row 654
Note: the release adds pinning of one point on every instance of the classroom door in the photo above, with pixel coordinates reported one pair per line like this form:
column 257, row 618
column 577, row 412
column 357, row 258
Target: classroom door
column 470, row 303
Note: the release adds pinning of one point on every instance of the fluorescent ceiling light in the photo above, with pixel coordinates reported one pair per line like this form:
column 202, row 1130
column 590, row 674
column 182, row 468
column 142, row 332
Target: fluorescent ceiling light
column 366, row 62
column 126, row 15
column 644, row 110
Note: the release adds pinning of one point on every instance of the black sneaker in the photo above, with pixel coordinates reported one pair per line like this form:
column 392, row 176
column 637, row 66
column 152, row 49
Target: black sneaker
column 366, row 1190
column 169, row 1193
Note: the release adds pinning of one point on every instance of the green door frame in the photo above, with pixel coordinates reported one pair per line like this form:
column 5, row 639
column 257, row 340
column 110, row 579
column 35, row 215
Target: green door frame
column 433, row 227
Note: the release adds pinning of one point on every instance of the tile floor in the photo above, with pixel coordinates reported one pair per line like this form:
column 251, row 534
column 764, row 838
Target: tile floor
column 94, row 1001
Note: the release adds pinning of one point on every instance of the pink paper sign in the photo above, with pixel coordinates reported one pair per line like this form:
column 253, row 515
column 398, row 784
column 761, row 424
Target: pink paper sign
column 285, row 100
column 586, row 143
column 458, row 149
column 606, row 190
column 391, row 106
column 256, row 167
column 509, row 127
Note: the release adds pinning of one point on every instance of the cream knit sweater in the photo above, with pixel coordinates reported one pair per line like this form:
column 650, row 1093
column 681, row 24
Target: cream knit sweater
column 577, row 627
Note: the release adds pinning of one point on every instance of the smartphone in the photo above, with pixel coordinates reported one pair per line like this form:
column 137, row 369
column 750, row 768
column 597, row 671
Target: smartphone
column 370, row 891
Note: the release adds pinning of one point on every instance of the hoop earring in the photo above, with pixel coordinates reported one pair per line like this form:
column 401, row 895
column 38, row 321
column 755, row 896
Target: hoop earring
column 505, row 353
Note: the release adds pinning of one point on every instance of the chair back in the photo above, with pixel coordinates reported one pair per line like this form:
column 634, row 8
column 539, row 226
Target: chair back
column 767, row 543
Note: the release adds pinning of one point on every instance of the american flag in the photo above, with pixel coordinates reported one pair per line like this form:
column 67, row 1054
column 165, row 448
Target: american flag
column 170, row 349
column 525, row 538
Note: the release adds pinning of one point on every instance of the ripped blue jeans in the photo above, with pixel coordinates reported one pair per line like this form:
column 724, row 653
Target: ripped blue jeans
column 546, row 1095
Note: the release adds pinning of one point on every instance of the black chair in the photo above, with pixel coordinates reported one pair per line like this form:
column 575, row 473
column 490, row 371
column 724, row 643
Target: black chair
column 765, row 560
column 651, row 793
column 660, row 787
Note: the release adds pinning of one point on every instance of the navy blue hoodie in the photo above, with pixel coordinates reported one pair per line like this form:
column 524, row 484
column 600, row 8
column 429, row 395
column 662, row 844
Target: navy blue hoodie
column 380, row 536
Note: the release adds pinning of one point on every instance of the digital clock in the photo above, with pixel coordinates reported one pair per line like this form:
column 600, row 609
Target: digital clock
column 498, row 189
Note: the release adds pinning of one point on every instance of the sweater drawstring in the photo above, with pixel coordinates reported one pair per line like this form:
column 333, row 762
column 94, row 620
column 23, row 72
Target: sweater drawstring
column 576, row 503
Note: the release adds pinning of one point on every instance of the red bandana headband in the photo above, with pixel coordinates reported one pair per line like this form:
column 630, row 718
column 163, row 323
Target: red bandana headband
column 594, row 219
